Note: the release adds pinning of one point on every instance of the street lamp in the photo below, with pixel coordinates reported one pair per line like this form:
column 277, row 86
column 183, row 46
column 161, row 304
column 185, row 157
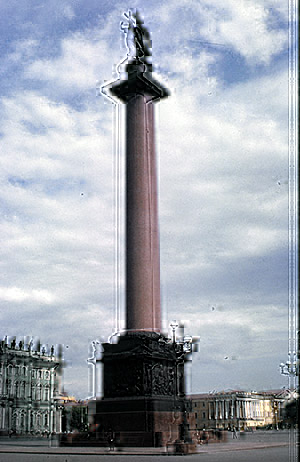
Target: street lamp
column 174, row 326
column 93, row 362
column 187, row 343
column 290, row 368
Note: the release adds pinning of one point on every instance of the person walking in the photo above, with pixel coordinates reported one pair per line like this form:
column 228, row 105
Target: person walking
column 234, row 435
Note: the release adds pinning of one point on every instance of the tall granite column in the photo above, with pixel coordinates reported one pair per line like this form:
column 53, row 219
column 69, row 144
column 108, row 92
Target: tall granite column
column 139, row 91
column 142, row 233
column 143, row 398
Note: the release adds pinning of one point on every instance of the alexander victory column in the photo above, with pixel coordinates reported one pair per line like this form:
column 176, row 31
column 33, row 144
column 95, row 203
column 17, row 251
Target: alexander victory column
column 144, row 401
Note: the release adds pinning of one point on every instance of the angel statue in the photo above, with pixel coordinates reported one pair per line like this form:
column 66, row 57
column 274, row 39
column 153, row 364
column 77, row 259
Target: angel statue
column 136, row 36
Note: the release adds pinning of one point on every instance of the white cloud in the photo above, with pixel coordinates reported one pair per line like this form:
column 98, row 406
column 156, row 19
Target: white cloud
column 223, row 211
column 247, row 27
column 85, row 58
column 19, row 295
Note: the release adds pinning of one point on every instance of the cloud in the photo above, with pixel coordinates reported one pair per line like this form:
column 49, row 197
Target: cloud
column 18, row 295
column 245, row 28
column 223, row 185
column 254, row 29
column 71, row 70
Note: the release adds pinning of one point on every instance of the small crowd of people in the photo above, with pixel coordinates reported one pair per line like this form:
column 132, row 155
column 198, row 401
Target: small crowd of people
column 203, row 436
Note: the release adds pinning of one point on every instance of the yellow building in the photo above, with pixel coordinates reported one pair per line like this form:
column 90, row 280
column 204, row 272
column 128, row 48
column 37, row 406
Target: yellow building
column 239, row 409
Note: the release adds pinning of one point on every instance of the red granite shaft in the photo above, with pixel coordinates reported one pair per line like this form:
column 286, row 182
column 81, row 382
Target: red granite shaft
column 142, row 231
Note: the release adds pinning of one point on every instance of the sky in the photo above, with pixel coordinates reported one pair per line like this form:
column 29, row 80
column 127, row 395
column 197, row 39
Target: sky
column 222, row 143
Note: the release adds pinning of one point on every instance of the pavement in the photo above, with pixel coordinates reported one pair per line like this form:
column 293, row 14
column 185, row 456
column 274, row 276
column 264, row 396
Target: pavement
column 258, row 440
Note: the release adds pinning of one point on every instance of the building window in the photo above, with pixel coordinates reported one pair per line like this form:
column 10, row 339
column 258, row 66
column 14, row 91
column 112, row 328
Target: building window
column 203, row 415
column 22, row 421
column 47, row 394
column 203, row 404
column 196, row 415
column 21, row 390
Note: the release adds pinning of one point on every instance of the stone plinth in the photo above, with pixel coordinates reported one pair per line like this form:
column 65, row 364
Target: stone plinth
column 140, row 421
column 140, row 364
column 141, row 404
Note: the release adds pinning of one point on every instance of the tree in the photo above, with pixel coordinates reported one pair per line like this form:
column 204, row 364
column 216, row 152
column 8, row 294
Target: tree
column 78, row 419
column 291, row 411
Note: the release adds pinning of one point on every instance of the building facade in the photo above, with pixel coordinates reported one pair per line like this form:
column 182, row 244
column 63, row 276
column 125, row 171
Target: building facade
column 29, row 387
column 239, row 409
column 74, row 414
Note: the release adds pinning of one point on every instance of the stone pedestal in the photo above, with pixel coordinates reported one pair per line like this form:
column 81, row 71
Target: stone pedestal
column 142, row 405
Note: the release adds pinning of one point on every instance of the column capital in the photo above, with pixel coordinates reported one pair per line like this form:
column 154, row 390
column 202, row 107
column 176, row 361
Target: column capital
column 136, row 80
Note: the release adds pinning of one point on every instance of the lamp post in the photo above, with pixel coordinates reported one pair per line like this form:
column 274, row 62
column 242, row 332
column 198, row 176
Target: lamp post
column 174, row 326
column 93, row 362
column 290, row 367
column 187, row 343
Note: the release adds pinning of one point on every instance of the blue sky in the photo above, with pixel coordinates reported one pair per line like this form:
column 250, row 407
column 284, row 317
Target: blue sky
column 223, row 164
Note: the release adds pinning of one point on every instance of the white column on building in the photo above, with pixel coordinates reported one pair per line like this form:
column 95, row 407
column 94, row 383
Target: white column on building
column 3, row 417
column 28, row 394
column 51, row 424
column 9, row 415
column 246, row 403
column 243, row 409
column 249, row 409
column 28, row 416
column 217, row 409
column 59, row 419
column 51, row 384
column 54, row 420
column 4, row 381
